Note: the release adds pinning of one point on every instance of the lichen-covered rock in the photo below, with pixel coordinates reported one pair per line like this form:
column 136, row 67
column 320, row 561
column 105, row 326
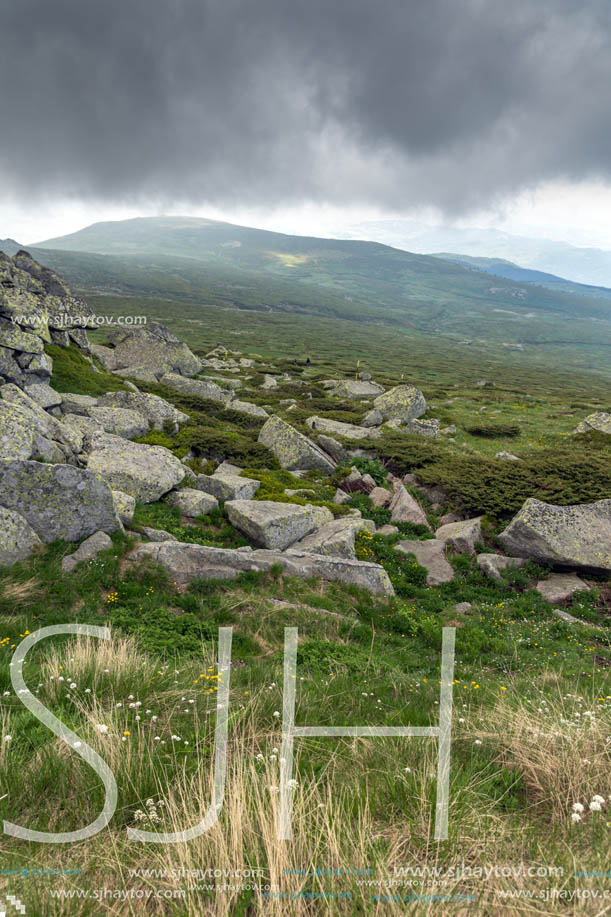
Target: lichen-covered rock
column 403, row 403
column 600, row 421
column 247, row 407
column 85, row 425
column 44, row 395
column 22, row 341
column 144, row 472
column 58, row 501
column 269, row 382
column 334, row 449
column 372, row 418
column 89, row 549
column 77, row 404
column 227, row 486
column 120, row 421
column 292, row 449
column 404, row 508
column 560, row 587
column 430, row 555
column 192, row 502
column 336, row 538
column 125, row 506
column 350, row 431
column 17, row 538
column 275, row 525
column 379, row 496
column 27, row 431
column 357, row 388
column 105, row 355
column 157, row 535
column 566, row 536
column 187, row 562
column 462, row 536
column 155, row 409
column 494, row 564
column 48, row 426
column 16, row 433
column 423, row 427
column 153, row 348
column 200, row 387
column 507, row 457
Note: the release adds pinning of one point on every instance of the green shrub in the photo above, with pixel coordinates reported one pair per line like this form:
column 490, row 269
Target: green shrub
column 494, row 430
column 373, row 467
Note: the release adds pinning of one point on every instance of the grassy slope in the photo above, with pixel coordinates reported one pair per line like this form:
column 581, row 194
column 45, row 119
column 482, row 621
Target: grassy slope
column 522, row 676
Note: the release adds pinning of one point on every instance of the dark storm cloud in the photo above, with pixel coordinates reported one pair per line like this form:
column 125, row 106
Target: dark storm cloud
column 250, row 102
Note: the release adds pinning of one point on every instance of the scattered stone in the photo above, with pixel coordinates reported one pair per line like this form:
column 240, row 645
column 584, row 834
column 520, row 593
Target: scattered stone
column 336, row 538
column 192, row 503
column 450, row 517
column 17, row 538
column 424, row 427
column 357, row 388
column 275, row 525
column 187, row 562
column 341, row 497
column 403, row 403
column 450, row 430
column 507, row 457
column 430, row 555
column 292, row 449
column 120, row 421
column 570, row 619
column 155, row 409
column 372, row 418
column 387, row 530
column 227, row 486
column 559, row 587
column 404, row 508
column 379, row 496
column 60, row 502
column 463, row 607
column 461, row 536
column 247, row 407
column 144, row 472
column 203, row 389
column 156, row 535
column 350, row 431
column 493, row 564
column 269, row 382
column 599, row 421
column 228, row 468
column 125, row 506
column 89, row 549
column 569, row 536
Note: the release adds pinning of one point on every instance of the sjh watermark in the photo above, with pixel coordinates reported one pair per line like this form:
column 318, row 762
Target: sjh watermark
column 290, row 732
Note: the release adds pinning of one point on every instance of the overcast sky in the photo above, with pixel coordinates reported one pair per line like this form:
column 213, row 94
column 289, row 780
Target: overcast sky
column 306, row 116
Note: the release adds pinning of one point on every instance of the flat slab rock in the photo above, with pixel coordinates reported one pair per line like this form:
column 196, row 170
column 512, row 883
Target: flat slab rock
column 349, row 430
column 187, row 562
column 144, row 472
column 192, row 502
column 560, row 587
column 567, row 536
column 336, row 538
column 275, row 525
column 430, row 555
column 225, row 486
column 292, row 449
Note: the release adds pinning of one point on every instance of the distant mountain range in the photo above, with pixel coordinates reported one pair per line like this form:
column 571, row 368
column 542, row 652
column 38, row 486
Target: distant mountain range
column 585, row 265
column 205, row 263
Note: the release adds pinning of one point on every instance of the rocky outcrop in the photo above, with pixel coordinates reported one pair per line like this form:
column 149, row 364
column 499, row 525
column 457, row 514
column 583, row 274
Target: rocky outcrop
column 430, row 555
column 125, row 506
column 144, row 472
column 28, row 431
column 187, row 562
column 60, row 502
column 156, row 410
column 17, row 538
column 576, row 536
column 120, row 421
column 403, row 403
column 152, row 349
column 275, row 525
column 599, row 421
column 293, row 450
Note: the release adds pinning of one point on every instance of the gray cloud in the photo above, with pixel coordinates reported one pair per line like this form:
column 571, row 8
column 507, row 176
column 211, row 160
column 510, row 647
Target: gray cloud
column 262, row 102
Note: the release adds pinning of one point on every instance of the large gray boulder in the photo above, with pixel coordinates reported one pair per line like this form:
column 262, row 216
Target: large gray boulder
column 202, row 388
column 461, row 536
column 227, row 486
column 430, row 555
column 566, row 536
column 45, row 396
column 60, row 502
column 155, row 409
column 357, row 388
column 336, row 538
column 187, row 562
column 275, row 525
column 77, row 404
column 38, row 423
column 120, row 421
column 560, row 587
column 154, row 349
column 349, row 430
column 191, row 502
column 144, row 472
column 404, row 508
column 125, row 506
column 89, row 549
column 599, row 421
column 17, row 538
column 403, row 403
column 292, row 449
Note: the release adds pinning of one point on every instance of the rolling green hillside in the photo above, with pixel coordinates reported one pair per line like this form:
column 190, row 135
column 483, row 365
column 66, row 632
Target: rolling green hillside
column 207, row 263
